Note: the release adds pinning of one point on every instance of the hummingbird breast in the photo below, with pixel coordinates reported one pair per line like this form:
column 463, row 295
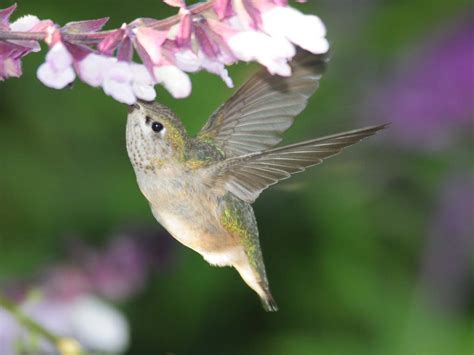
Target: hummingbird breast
column 190, row 212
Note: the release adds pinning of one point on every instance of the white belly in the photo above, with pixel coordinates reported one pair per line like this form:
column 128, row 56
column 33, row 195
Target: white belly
column 216, row 249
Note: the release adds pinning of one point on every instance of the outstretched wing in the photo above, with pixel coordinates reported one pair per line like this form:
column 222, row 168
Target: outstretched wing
column 254, row 118
column 247, row 176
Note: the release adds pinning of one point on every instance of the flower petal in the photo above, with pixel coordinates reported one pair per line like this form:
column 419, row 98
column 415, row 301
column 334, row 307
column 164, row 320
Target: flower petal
column 125, row 50
column 223, row 8
column 188, row 61
column 49, row 76
column 216, row 67
column 111, row 42
column 98, row 326
column 58, row 57
column 5, row 16
column 120, row 91
column 140, row 74
column 307, row 31
column 271, row 52
column 185, row 27
column 24, row 23
column 92, row 68
column 119, row 71
column 175, row 3
column 86, row 25
column 174, row 80
column 151, row 41
column 144, row 92
column 10, row 67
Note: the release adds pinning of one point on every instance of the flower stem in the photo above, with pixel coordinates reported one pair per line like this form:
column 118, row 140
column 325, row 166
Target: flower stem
column 36, row 328
column 94, row 37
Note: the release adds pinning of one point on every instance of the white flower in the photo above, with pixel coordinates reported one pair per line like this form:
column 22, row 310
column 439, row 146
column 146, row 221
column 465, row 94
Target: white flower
column 10, row 331
column 216, row 67
column 117, row 82
column 142, row 83
column 24, row 23
column 124, row 81
column 98, row 326
column 306, row 31
column 93, row 67
column 188, row 61
column 57, row 71
column 173, row 79
column 272, row 52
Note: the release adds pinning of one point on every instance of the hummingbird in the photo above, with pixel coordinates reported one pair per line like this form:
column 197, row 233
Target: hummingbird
column 201, row 189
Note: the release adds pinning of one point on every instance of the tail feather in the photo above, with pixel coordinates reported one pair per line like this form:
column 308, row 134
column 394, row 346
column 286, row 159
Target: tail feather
column 269, row 303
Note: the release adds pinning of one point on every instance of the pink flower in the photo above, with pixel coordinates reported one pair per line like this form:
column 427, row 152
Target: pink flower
column 57, row 72
column 12, row 51
column 201, row 37
column 9, row 67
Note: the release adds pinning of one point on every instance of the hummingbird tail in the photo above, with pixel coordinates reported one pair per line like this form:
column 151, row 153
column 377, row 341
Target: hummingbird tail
column 269, row 303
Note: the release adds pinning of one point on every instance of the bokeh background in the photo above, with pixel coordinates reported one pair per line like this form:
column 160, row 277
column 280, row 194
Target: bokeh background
column 369, row 253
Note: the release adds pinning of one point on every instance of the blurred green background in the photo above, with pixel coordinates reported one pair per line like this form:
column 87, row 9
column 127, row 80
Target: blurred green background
column 348, row 245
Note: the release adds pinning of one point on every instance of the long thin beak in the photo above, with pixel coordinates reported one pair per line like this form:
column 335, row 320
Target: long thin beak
column 131, row 108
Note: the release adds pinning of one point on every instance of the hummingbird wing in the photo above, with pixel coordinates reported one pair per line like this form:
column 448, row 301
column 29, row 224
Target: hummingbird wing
column 248, row 175
column 254, row 118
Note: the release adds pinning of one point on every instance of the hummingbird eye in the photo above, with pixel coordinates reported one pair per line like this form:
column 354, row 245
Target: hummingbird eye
column 157, row 127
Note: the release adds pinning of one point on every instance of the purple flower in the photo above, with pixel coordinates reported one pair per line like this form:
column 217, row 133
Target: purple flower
column 431, row 98
column 66, row 295
column 121, row 270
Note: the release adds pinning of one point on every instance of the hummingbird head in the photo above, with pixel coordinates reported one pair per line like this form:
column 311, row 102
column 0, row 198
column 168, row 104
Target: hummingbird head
column 154, row 135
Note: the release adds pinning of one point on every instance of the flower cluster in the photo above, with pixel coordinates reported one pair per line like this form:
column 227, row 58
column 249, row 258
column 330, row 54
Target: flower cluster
column 68, row 298
column 207, row 36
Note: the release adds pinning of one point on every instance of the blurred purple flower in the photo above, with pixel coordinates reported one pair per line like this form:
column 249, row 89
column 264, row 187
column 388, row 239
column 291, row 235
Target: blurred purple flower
column 432, row 97
column 121, row 270
column 69, row 306
column 116, row 272
column 445, row 271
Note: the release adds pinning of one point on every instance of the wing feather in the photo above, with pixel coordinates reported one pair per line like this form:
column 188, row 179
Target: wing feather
column 255, row 117
column 248, row 175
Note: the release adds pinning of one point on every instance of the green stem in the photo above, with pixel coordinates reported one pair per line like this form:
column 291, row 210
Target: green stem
column 27, row 322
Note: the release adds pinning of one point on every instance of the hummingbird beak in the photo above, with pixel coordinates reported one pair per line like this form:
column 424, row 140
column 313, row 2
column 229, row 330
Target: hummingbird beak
column 131, row 108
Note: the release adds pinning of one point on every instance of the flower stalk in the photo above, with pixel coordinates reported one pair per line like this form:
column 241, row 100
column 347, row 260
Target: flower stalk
column 64, row 345
column 206, row 36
